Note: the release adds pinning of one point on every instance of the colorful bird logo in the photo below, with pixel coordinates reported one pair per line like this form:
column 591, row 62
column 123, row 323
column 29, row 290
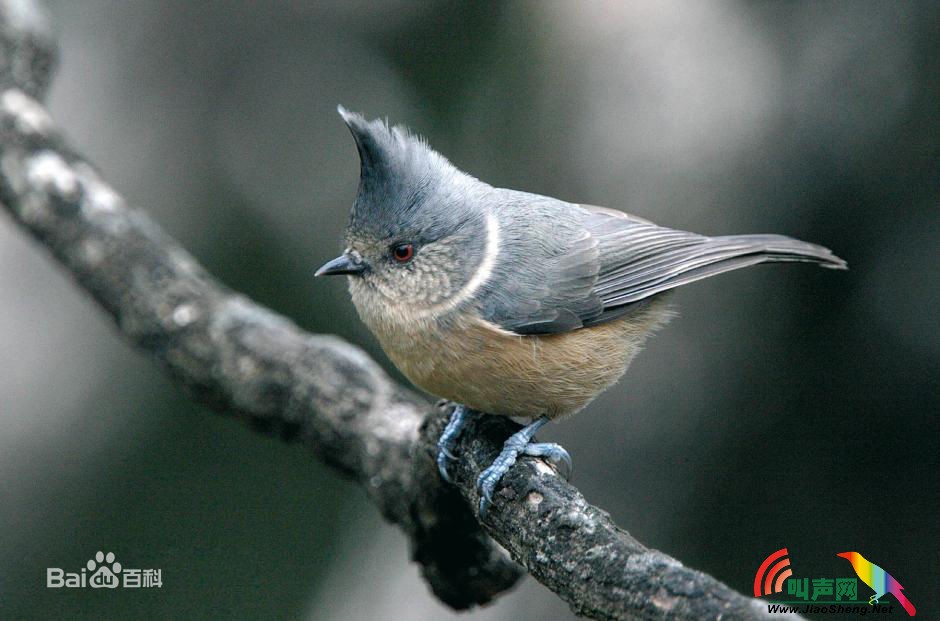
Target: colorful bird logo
column 878, row 579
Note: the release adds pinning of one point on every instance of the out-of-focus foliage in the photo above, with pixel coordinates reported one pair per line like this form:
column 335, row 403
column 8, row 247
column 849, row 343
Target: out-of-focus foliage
column 785, row 406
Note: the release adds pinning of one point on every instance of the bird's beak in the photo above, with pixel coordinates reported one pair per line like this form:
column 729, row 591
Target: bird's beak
column 844, row 554
column 343, row 264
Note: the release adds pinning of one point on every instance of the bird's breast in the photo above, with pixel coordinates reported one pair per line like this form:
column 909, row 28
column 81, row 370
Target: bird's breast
column 465, row 359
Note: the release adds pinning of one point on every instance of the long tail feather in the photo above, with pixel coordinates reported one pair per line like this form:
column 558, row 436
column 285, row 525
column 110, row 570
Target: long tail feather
column 703, row 258
column 905, row 603
column 782, row 248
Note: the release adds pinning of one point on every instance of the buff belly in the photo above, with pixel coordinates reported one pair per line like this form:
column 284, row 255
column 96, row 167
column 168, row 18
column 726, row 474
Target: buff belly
column 488, row 369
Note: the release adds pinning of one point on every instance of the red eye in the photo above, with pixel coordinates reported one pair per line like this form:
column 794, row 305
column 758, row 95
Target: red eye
column 403, row 252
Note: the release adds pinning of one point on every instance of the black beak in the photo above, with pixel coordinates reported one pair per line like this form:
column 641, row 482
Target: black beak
column 343, row 264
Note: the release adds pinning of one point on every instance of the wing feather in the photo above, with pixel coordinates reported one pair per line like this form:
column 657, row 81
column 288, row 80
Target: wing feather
column 640, row 259
column 615, row 261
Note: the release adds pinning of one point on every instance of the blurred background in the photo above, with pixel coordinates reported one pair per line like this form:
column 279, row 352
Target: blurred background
column 785, row 406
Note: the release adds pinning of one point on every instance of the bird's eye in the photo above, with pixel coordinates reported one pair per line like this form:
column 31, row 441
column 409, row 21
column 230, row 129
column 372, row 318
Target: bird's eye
column 403, row 252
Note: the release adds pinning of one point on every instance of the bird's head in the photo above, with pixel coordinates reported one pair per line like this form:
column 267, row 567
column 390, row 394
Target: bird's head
column 850, row 556
column 418, row 229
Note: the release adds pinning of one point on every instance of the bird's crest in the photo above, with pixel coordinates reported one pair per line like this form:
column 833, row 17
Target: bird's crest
column 397, row 171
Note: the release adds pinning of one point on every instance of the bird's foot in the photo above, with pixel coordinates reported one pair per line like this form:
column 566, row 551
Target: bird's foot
column 556, row 455
column 448, row 440
column 873, row 600
column 519, row 444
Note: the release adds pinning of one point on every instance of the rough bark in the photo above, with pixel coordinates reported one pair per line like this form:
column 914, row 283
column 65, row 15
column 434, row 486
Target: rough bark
column 247, row 361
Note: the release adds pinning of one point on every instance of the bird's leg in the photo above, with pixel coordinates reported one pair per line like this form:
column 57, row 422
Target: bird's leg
column 518, row 444
column 874, row 599
column 448, row 439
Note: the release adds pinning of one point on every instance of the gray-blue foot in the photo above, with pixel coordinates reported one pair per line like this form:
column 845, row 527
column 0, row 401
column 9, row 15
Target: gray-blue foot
column 519, row 444
column 448, row 439
column 554, row 453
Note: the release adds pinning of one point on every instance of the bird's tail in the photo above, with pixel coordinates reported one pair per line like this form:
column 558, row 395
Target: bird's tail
column 905, row 603
column 717, row 255
column 782, row 248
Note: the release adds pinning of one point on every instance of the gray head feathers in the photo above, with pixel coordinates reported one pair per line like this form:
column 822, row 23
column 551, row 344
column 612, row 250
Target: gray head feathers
column 398, row 173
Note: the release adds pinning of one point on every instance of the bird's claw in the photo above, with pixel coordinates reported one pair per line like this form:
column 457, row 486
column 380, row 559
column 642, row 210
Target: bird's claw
column 448, row 440
column 555, row 454
column 486, row 483
column 520, row 444
column 444, row 457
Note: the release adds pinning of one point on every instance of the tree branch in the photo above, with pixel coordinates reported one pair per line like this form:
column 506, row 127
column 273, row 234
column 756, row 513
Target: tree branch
column 244, row 359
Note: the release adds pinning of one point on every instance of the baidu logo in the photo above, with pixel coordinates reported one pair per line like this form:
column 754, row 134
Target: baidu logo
column 104, row 576
column 103, row 572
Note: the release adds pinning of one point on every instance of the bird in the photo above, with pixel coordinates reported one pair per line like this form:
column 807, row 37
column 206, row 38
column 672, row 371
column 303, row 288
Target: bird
column 511, row 303
column 878, row 579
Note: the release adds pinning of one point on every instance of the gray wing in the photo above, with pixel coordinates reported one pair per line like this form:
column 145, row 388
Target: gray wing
column 547, row 286
column 618, row 260
column 640, row 259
